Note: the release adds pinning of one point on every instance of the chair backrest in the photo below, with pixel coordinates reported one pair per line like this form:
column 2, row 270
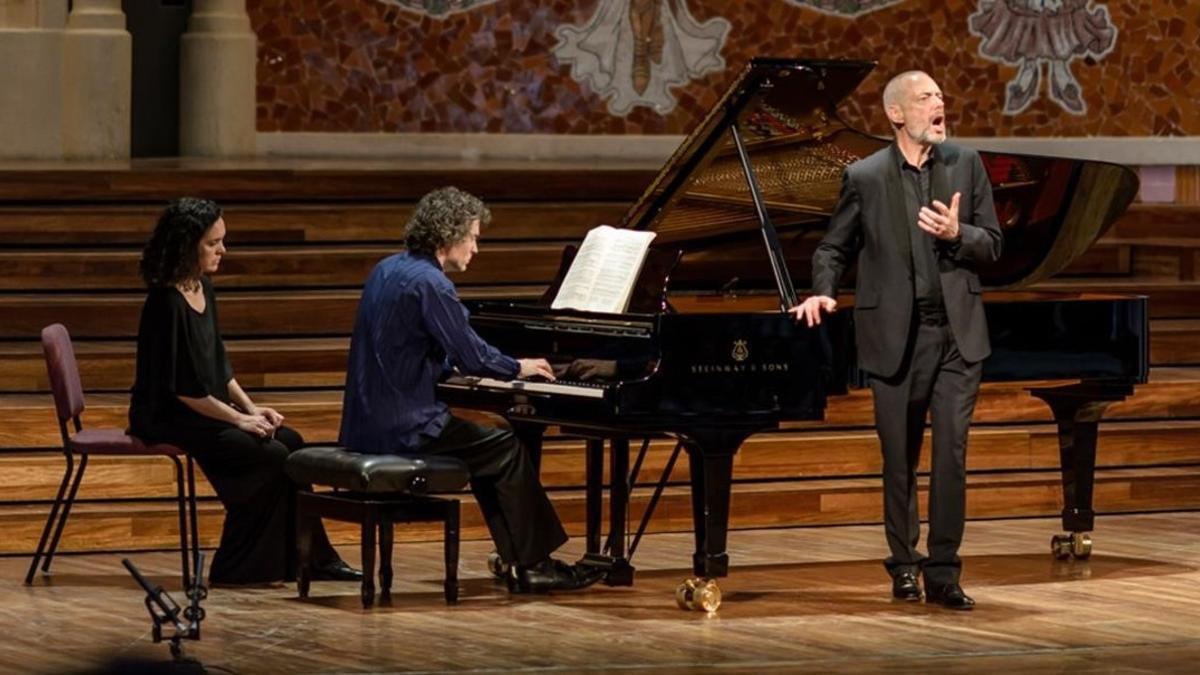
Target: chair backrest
column 64, row 373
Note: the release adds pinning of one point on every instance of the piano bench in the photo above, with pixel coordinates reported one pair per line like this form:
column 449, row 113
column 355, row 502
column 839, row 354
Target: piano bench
column 376, row 491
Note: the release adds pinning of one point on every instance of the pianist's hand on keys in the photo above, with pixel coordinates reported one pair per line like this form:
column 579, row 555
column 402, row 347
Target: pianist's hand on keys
column 535, row 368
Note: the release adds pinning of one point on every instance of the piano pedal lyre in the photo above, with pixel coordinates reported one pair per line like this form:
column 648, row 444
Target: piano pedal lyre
column 1076, row 545
column 698, row 594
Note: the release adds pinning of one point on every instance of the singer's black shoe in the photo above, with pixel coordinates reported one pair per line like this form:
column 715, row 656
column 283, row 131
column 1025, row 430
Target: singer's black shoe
column 552, row 575
column 905, row 587
column 337, row 570
column 950, row 596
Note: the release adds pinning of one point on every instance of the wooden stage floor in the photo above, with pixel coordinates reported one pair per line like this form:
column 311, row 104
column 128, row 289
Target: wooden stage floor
column 797, row 600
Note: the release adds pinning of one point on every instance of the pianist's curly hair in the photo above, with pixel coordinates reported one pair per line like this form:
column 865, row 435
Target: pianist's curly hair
column 172, row 254
column 443, row 218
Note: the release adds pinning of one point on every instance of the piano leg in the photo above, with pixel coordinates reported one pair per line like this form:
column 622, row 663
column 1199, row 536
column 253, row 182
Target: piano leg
column 595, row 493
column 612, row 557
column 710, row 459
column 712, row 475
column 621, row 573
column 1077, row 410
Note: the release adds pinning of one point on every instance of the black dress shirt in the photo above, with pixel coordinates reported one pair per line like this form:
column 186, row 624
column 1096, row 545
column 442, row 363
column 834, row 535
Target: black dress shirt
column 927, row 284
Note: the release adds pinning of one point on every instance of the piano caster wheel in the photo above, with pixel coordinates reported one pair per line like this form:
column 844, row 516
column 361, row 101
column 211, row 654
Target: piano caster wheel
column 497, row 567
column 1076, row 545
column 698, row 594
column 1081, row 545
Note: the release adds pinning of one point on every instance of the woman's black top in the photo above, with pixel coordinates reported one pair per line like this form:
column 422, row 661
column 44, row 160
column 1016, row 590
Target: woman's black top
column 179, row 353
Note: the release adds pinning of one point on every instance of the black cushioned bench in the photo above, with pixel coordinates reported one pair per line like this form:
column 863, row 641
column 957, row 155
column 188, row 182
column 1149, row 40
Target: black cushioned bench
column 376, row 491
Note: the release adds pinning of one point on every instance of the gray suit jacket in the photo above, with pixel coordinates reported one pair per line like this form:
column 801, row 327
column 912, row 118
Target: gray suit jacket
column 870, row 227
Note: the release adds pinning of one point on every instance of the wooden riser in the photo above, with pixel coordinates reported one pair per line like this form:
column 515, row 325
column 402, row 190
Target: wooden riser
column 322, row 181
column 131, row 225
column 1172, row 393
column 259, row 364
column 332, row 265
column 358, row 220
column 248, row 313
column 776, row 504
column 306, row 313
column 108, row 366
column 1144, row 221
column 285, row 267
column 774, row 456
column 1102, row 259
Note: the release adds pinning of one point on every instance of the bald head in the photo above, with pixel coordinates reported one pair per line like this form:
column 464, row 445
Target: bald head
column 900, row 87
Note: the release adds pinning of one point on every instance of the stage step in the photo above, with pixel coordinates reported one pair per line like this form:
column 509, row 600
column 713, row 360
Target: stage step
column 108, row 365
column 27, row 477
column 347, row 265
column 276, row 267
column 98, row 527
column 305, row 313
column 129, row 226
column 243, row 313
column 319, row 181
column 1147, row 221
column 1172, row 393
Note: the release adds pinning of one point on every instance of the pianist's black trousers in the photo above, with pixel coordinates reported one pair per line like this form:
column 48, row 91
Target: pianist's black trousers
column 505, row 483
column 933, row 379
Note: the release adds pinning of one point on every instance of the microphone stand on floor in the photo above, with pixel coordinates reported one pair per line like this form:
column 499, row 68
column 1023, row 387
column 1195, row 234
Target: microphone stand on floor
column 164, row 611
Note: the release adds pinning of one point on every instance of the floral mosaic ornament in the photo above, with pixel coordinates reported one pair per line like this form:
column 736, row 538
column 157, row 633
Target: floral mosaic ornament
column 437, row 8
column 845, row 7
column 633, row 52
column 1029, row 33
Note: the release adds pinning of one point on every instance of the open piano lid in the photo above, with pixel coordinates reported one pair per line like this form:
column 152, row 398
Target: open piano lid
column 1050, row 209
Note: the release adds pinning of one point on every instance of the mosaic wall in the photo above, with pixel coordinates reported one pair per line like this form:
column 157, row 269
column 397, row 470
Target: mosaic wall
column 1008, row 67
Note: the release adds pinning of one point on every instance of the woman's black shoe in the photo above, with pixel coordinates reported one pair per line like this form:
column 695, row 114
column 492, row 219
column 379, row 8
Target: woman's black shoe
column 336, row 571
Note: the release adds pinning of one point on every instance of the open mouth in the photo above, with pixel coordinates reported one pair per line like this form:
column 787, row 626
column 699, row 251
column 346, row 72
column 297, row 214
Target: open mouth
column 939, row 121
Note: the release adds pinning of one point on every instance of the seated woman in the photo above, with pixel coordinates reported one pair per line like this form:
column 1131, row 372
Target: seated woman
column 185, row 394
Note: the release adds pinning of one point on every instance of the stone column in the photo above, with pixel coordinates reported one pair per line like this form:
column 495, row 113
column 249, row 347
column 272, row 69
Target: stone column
column 97, row 81
column 217, row 61
column 31, row 64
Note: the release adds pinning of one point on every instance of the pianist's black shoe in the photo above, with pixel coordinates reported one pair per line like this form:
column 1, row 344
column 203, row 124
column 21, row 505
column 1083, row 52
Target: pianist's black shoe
column 950, row 596
column 336, row 571
column 551, row 575
column 905, row 587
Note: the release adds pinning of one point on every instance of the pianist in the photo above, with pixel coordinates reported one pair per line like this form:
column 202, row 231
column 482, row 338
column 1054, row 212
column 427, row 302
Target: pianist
column 410, row 332
column 917, row 217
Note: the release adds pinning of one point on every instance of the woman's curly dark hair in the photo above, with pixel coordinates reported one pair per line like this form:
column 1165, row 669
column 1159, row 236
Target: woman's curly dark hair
column 443, row 218
column 172, row 254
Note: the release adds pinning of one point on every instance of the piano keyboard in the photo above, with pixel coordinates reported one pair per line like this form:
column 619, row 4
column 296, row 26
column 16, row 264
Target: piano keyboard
column 558, row 388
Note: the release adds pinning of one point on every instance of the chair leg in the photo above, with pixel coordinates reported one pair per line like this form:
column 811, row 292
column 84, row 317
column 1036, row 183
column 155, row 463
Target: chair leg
column 450, row 543
column 83, row 461
column 304, row 536
column 181, row 504
column 58, row 500
column 385, row 557
column 370, row 517
column 195, row 529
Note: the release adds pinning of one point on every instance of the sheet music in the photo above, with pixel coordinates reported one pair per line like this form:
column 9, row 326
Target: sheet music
column 603, row 273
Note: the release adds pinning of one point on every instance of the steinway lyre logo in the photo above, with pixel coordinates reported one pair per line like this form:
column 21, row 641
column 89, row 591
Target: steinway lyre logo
column 740, row 351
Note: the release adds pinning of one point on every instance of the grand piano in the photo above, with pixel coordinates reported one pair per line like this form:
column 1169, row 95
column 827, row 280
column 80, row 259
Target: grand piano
column 706, row 355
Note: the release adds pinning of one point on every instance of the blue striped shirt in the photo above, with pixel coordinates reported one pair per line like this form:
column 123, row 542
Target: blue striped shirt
column 410, row 330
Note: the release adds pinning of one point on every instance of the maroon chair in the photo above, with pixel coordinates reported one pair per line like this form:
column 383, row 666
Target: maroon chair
column 68, row 404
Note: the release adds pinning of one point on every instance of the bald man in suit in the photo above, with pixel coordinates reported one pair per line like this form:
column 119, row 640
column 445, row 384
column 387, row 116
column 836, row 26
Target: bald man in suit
column 916, row 217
